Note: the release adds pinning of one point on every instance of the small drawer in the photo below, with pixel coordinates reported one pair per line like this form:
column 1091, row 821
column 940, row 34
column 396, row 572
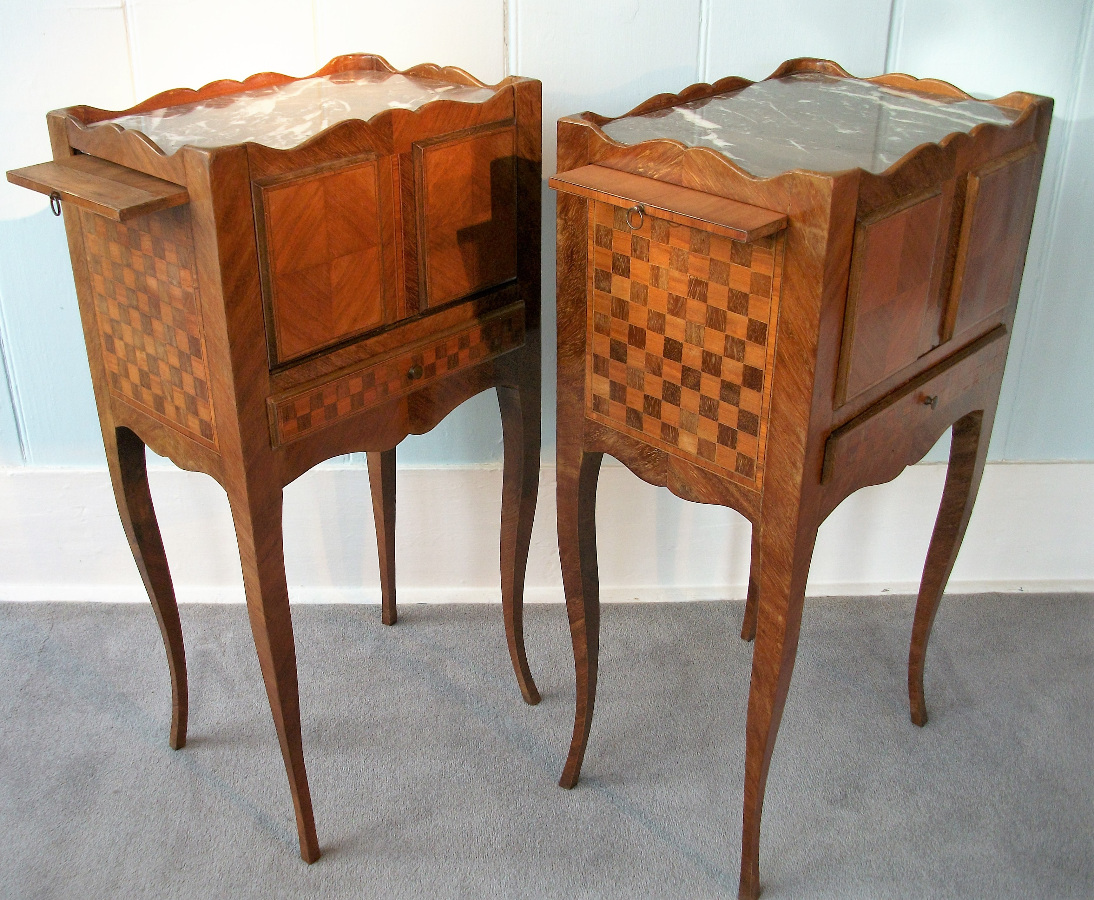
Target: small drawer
column 899, row 429
column 302, row 412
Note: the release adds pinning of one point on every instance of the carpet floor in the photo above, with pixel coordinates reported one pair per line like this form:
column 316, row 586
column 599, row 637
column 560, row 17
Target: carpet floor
column 432, row 779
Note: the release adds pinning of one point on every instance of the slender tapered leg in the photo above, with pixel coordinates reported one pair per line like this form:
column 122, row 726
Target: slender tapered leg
column 748, row 627
column 968, row 453
column 125, row 457
column 786, row 556
column 576, row 492
column 261, row 552
column 520, row 486
column 381, row 479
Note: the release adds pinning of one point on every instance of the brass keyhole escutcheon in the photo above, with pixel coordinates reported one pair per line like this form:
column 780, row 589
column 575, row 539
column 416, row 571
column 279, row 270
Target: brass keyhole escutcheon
column 415, row 373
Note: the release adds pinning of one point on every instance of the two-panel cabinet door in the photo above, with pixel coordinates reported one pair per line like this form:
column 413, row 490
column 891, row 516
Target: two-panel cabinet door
column 941, row 267
column 353, row 245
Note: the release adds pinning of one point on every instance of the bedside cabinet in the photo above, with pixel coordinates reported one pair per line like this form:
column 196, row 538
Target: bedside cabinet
column 769, row 296
column 279, row 271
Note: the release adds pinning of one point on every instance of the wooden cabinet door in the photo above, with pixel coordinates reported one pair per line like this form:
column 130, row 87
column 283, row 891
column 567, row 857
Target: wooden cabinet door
column 467, row 213
column 995, row 225
column 894, row 307
column 322, row 256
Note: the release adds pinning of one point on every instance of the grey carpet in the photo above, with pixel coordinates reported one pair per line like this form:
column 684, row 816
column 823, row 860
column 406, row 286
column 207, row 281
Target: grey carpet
column 431, row 779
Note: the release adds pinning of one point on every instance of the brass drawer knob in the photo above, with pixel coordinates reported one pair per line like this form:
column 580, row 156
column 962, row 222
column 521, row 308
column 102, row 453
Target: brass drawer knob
column 931, row 401
column 415, row 373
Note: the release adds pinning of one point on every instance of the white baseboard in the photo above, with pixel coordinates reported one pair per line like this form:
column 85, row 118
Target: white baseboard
column 60, row 538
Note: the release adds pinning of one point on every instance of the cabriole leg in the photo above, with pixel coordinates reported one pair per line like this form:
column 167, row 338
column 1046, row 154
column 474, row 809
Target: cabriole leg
column 261, row 552
column 968, row 453
column 748, row 627
column 125, row 456
column 577, row 480
column 520, row 486
column 777, row 629
column 381, row 479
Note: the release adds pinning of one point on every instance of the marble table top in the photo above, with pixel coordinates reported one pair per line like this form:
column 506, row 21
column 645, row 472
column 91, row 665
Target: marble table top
column 286, row 115
column 811, row 121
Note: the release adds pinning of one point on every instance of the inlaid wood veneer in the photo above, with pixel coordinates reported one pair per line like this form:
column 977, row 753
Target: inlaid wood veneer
column 682, row 338
column 771, row 295
column 282, row 270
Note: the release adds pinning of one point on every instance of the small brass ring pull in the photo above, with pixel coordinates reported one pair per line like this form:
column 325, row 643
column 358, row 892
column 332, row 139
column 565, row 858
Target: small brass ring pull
column 55, row 203
column 415, row 373
column 931, row 401
column 641, row 210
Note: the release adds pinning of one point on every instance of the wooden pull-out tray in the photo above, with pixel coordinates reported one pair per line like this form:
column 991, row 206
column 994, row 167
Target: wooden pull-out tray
column 101, row 187
column 737, row 221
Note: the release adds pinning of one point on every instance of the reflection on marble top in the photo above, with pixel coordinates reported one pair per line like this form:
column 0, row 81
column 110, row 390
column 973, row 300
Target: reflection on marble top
column 286, row 115
column 811, row 121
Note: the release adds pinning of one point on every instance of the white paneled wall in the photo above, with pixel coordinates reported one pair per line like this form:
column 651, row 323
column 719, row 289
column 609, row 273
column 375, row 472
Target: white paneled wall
column 605, row 55
column 991, row 48
column 752, row 39
column 470, row 34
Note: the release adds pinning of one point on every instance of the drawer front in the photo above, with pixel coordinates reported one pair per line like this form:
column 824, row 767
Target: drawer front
column 320, row 253
column 898, row 430
column 303, row 412
column 145, row 291
column 681, row 338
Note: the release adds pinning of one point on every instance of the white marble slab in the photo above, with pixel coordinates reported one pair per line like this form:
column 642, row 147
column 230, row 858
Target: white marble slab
column 811, row 121
column 287, row 115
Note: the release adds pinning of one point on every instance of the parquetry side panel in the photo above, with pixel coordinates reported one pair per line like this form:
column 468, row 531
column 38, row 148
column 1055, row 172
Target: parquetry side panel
column 153, row 339
column 681, row 337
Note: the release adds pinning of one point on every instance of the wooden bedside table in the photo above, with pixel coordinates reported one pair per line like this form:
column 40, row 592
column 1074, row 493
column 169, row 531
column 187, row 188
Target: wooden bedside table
column 274, row 272
column 769, row 296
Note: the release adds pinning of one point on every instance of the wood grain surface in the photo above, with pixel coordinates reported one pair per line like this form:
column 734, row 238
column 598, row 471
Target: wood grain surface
column 872, row 360
column 287, row 283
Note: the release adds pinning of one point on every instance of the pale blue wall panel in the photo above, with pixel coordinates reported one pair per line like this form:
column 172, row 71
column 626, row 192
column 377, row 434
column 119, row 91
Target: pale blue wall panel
column 11, row 454
column 173, row 45
column 990, row 48
column 606, row 57
column 53, row 53
column 469, row 34
column 1053, row 412
column 45, row 345
column 752, row 39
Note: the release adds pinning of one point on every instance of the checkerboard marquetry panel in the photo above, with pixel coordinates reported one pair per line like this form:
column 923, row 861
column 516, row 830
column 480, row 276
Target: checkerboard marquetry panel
column 312, row 409
column 145, row 290
column 681, row 337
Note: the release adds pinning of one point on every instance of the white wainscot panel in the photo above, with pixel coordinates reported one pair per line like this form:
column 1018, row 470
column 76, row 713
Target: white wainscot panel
column 469, row 34
column 752, row 39
column 190, row 44
column 60, row 538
